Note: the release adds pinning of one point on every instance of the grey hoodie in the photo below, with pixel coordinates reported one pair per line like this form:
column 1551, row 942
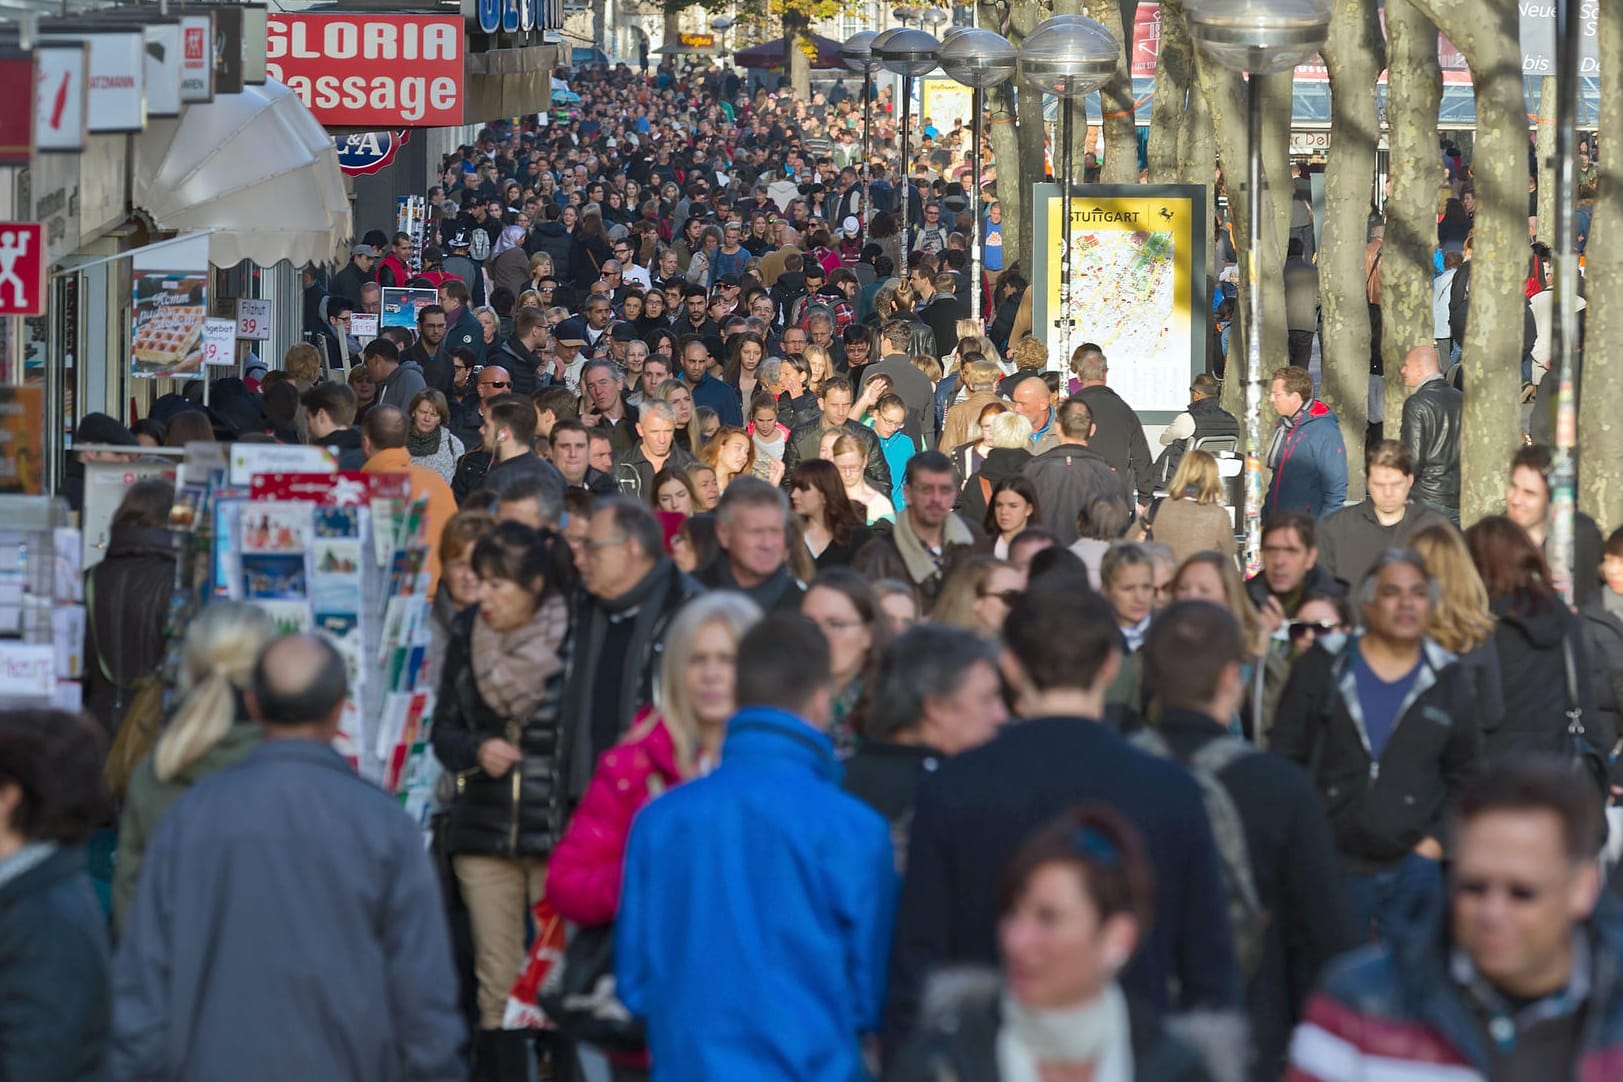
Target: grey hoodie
column 402, row 385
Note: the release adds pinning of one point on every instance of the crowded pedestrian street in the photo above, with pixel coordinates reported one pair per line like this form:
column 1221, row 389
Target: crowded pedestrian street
column 945, row 545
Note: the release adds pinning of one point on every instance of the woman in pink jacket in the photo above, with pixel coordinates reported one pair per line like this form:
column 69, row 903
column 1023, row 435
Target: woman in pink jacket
column 676, row 739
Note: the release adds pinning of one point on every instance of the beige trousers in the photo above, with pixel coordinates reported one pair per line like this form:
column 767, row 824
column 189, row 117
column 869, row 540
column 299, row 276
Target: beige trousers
column 498, row 892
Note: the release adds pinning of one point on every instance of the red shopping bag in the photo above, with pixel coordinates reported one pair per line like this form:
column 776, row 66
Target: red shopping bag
column 545, row 951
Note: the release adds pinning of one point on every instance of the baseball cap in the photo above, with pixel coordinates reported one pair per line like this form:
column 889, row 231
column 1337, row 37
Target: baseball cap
column 570, row 331
column 728, row 280
column 623, row 332
column 433, row 253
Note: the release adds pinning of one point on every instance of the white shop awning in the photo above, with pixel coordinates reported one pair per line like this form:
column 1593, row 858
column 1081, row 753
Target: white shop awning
column 255, row 169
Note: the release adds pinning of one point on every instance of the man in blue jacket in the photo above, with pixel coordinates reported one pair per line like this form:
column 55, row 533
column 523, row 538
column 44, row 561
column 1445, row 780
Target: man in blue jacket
column 1307, row 454
column 757, row 904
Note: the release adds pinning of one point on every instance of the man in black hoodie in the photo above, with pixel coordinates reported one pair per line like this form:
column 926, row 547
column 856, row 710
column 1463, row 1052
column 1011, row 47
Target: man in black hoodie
column 522, row 354
column 1192, row 658
column 1291, row 571
column 1118, row 433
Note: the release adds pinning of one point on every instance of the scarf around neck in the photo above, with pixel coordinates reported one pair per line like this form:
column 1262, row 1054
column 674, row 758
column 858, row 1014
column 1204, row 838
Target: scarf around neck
column 511, row 668
column 421, row 445
column 921, row 563
column 1276, row 445
column 1098, row 1033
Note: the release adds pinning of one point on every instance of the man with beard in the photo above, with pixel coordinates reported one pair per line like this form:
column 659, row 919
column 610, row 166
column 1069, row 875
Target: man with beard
column 428, row 351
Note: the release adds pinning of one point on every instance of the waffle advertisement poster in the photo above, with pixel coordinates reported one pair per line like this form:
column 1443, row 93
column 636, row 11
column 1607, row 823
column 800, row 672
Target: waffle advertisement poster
column 167, row 325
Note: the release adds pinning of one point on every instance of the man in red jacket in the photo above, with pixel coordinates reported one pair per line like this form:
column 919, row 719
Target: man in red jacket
column 395, row 268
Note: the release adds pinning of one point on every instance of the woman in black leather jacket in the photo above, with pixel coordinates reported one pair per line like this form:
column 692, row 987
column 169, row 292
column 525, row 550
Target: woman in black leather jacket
column 497, row 732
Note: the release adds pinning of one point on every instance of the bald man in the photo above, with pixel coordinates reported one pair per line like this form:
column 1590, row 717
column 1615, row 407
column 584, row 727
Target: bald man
column 1431, row 432
column 287, row 918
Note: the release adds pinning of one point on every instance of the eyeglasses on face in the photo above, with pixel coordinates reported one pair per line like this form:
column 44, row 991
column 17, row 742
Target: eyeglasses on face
column 498, row 384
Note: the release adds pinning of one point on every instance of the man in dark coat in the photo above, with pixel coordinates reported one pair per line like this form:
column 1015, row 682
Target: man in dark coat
column 1431, row 432
column 929, row 540
column 633, row 592
column 1388, row 725
column 1192, row 657
column 1291, row 569
column 1203, row 418
column 751, row 526
column 1064, row 650
column 907, row 381
column 941, row 311
column 1072, row 475
column 1353, row 538
column 835, row 399
column 361, row 269
column 1118, row 434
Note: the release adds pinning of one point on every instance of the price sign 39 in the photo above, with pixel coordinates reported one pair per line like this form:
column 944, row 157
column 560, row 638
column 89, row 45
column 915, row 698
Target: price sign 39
column 253, row 319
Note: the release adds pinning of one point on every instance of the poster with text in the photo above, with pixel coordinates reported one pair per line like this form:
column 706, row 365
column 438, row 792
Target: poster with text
column 167, row 324
column 400, row 306
column 1138, row 286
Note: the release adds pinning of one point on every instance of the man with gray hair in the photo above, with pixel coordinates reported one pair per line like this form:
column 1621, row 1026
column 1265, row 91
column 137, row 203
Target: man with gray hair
column 633, row 591
column 752, row 531
column 938, row 693
column 1387, row 724
column 1118, row 433
column 288, row 923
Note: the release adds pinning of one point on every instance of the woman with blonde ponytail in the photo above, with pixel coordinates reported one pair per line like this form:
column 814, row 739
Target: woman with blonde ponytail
column 208, row 732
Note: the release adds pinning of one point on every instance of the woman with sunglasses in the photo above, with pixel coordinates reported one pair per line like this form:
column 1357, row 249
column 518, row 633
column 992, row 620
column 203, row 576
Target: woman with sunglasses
column 978, row 595
column 1078, row 898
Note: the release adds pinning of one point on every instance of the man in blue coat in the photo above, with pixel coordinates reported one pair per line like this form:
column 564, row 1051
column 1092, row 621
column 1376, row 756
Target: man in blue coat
column 288, row 923
column 1307, row 454
column 757, row 903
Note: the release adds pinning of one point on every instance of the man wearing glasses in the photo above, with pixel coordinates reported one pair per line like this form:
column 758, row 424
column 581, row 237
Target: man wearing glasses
column 1515, row 978
column 630, row 273
column 429, row 350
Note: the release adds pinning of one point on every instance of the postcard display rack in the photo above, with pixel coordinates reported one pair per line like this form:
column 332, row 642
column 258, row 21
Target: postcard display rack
column 42, row 613
column 342, row 555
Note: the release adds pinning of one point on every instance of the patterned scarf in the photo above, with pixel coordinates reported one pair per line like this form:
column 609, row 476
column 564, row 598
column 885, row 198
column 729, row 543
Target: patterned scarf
column 511, row 668
column 423, row 444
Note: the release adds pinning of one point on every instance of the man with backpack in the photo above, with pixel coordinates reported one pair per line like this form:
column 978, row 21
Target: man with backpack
column 1062, row 651
column 1286, row 898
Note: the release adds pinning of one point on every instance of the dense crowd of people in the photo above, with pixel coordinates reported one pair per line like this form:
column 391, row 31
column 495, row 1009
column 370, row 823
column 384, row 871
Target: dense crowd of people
column 862, row 691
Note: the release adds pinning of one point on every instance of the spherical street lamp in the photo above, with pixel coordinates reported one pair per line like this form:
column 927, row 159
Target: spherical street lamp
column 908, row 53
column 1070, row 56
column 1258, row 37
column 979, row 59
column 857, row 55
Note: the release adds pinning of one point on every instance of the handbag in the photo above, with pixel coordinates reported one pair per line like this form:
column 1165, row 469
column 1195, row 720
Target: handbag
column 578, row 994
column 1587, row 762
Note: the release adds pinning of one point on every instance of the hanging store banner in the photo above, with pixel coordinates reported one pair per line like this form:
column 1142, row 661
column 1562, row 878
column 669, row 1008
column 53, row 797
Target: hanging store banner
column 361, row 154
column 163, row 67
column 22, row 269
column 371, row 70
column 61, row 70
column 115, row 95
column 1138, row 285
column 228, row 62
column 197, row 67
column 1539, row 53
column 253, row 44
column 16, row 125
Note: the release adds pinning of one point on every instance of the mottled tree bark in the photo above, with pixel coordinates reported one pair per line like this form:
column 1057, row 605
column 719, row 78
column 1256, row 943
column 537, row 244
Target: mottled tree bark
column 1486, row 32
column 1173, row 102
column 1414, row 91
column 1116, row 97
column 797, row 65
column 1544, row 150
column 1353, row 55
column 1600, row 425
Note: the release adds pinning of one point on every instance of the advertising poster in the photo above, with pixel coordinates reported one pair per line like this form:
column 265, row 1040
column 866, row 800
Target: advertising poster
column 943, row 101
column 171, row 303
column 1138, row 286
column 22, row 440
column 400, row 306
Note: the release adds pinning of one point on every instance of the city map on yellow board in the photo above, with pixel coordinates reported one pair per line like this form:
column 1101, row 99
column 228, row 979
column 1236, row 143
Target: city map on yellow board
column 1135, row 261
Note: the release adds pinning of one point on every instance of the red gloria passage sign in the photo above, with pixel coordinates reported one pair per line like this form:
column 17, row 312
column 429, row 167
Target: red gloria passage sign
column 371, row 71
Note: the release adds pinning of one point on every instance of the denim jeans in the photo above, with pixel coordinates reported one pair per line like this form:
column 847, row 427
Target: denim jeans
column 1391, row 897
